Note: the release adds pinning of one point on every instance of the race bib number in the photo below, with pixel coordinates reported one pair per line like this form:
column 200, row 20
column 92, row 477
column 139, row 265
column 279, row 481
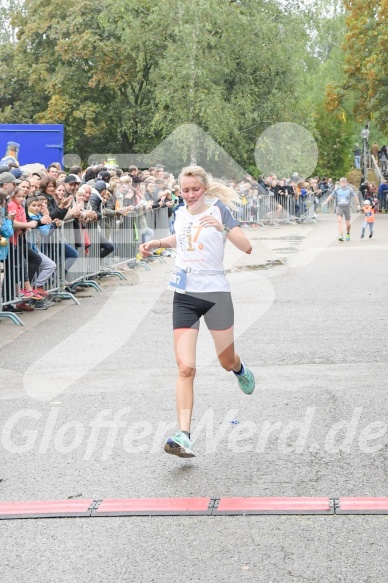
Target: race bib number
column 178, row 280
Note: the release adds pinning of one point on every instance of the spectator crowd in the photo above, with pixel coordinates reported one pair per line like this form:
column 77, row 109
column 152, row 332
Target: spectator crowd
column 35, row 205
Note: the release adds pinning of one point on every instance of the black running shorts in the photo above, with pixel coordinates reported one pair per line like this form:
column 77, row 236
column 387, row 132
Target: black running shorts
column 215, row 307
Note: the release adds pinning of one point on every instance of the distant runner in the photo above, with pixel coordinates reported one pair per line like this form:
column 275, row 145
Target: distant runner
column 343, row 195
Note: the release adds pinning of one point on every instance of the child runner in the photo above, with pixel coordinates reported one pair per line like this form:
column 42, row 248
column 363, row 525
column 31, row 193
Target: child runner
column 369, row 218
column 202, row 225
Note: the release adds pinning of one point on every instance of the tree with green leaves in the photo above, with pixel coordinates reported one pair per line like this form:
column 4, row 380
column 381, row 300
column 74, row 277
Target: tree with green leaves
column 333, row 130
column 365, row 71
column 125, row 75
column 122, row 76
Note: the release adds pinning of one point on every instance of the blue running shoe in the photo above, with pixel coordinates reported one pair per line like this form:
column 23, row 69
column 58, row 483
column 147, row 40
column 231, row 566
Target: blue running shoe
column 180, row 445
column 246, row 380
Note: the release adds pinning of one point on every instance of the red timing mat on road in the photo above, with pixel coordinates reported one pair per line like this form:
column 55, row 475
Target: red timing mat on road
column 363, row 505
column 274, row 506
column 154, row 506
column 45, row 509
column 191, row 506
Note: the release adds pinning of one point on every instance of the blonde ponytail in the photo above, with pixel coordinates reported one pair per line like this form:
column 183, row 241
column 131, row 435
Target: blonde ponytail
column 214, row 188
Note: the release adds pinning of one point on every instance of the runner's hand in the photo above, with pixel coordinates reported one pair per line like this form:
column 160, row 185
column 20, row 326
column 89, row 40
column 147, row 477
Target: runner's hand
column 145, row 249
column 210, row 221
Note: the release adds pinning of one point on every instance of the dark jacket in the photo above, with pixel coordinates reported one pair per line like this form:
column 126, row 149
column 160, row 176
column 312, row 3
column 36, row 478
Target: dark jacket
column 54, row 211
column 100, row 209
column 95, row 202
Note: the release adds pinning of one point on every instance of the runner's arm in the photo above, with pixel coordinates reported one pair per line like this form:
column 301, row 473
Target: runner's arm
column 356, row 197
column 330, row 197
column 145, row 249
column 168, row 242
column 239, row 240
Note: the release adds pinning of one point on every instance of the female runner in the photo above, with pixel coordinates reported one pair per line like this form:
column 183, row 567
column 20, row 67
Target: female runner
column 201, row 288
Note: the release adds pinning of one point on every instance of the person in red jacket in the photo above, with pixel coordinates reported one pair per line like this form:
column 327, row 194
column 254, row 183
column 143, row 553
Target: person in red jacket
column 27, row 260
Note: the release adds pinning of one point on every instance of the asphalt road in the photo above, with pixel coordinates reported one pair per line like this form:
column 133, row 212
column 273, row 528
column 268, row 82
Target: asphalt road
column 87, row 399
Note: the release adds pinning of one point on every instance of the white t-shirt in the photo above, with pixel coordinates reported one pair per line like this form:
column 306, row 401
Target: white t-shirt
column 200, row 250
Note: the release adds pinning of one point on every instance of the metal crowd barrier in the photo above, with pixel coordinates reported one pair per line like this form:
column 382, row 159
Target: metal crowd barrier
column 86, row 240
column 267, row 209
column 310, row 204
column 11, row 281
column 380, row 176
column 261, row 210
column 329, row 207
column 122, row 233
column 53, row 247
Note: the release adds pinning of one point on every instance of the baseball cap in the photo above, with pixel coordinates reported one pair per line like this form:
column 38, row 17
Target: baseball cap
column 100, row 185
column 72, row 178
column 7, row 177
column 103, row 175
column 4, row 168
column 366, row 202
column 16, row 172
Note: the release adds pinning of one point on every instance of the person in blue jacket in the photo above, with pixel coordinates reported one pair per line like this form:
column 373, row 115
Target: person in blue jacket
column 48, row 266
column 6, row 231
column 383, row 195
